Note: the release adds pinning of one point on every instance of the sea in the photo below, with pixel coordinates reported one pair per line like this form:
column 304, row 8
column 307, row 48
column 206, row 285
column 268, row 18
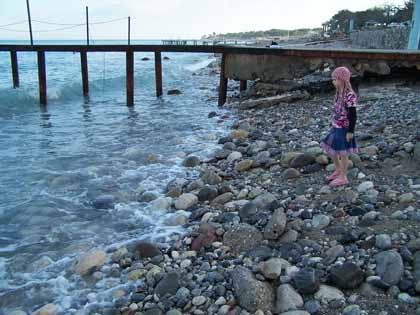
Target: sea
column 72, row 173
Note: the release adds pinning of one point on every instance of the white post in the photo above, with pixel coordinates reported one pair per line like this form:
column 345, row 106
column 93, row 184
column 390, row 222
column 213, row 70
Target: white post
column 414, row 41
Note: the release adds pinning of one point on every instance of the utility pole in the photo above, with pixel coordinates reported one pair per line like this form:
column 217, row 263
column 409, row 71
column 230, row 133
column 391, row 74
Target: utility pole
column 129, row 31
column 87, row 25
column 414, row 41
column 30, row 22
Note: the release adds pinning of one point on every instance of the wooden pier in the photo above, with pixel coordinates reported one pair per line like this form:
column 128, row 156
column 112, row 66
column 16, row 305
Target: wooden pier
column 258, row 58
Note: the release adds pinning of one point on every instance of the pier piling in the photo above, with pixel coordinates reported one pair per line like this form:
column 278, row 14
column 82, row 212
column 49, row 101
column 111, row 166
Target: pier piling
column 15, row 69
column 42, row 78
column 85, row 73
column 158, row 73
column 130, row 77
column 243, row 85
column 223, row 83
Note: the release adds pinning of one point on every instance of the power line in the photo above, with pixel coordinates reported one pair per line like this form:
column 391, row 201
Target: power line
column 15, row 23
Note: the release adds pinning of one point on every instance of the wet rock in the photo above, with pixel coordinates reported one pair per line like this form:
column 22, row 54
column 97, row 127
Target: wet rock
column 186, row 201
column 162, row 203
column 191, row 161
column 49, row 309
column 174, row 92
column 148, row 196
column 168, row 285
column 242, row 237
column 347, row 276
column 389, row 266
column 287, row 299
column 104, row 202
column 276, row 226
column 90, row 262
column 146, row 250
column 258, row 296
column 306, row 281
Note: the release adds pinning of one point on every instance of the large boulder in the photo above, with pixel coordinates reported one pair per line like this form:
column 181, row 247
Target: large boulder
column 302, row 160
column 242, row 237
column 251, row 293
column 390, row 267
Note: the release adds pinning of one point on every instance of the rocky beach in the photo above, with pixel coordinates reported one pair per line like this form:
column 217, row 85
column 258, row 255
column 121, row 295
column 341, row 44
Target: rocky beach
column 265, row 234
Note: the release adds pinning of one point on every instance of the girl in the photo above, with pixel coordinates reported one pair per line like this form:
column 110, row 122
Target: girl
column 340, row 141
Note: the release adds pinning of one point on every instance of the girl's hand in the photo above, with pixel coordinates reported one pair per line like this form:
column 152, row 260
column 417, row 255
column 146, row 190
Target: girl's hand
column 349, row 136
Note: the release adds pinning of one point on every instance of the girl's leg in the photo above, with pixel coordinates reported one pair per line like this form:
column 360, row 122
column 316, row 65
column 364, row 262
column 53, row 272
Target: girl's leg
column 344, row 167
column 337, row 164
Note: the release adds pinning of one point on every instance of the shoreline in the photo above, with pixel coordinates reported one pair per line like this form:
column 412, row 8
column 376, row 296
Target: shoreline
column 262, row 217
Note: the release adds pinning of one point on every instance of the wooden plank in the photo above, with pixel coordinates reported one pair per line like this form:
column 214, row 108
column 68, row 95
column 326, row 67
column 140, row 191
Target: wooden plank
column 243, row 85
column 130, row 76
column 42, row 78
column 15, row 69
column 223, row 83
column 85, row 73
column 158, row 73
column 372, row 54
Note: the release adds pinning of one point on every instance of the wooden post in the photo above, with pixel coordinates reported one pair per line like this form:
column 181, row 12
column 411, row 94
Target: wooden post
column 130, row 76
column 85, row 73
column 42, row 78
column 158, row 73
column 15, row 69
column 243, row 85
column 223, row 83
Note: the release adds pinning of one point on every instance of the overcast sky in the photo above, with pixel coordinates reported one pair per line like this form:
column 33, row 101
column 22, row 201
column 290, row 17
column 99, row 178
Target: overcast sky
column 170, row 18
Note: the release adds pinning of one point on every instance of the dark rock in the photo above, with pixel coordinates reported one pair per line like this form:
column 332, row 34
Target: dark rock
column 207, row 193
column 313, row 307
column 191, row 161
column 306, row 281
column 302, row 160
column 356, row 211
column 146, row 250
column 168, row 285
column 145, row 59
column 174, row 92
column 196, row 214
column 290, row 173
column 104, row 202
column 262, row 252
column 347, row 276
column 212, row 114
column 313, row 168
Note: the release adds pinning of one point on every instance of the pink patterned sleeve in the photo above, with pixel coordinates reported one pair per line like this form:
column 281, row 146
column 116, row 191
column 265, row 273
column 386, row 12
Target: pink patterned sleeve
column 351, row 99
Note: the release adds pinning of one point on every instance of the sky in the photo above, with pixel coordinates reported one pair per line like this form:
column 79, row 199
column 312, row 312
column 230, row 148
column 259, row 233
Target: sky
column 170, row 19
